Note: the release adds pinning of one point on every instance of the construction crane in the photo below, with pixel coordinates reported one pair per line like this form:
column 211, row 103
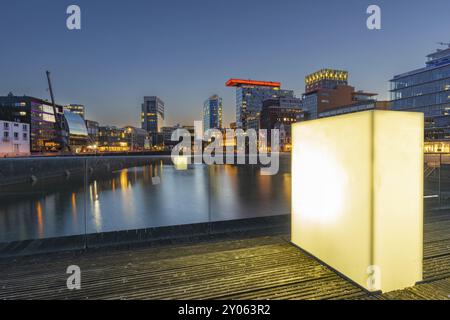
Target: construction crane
column 59, row 127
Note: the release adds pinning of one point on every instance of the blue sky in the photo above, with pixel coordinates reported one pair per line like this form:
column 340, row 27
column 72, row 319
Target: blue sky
column 185, row 50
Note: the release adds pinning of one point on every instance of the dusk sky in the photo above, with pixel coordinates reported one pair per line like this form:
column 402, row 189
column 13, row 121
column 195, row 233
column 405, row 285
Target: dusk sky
column 184, row 50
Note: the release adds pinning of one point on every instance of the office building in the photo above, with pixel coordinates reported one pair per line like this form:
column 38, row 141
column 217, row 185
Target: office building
column 77, row 109
column 47, row 132
column 78, row 137
column 363, row 105
column 212, row 113
column 137, row 139
column 92, row 128
column 328, row 89
column 427, row 90
column 152, row 116
column 250, row 95
column 325, row 79
column 280, row 114
column 168, row 131
column 112, row 139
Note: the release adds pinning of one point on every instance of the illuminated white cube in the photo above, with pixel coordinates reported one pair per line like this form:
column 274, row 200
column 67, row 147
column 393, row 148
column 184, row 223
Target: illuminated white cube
column 357, row 195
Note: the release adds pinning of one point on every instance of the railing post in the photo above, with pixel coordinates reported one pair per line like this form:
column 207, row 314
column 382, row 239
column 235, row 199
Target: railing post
column 86, row 177
column 439, row 178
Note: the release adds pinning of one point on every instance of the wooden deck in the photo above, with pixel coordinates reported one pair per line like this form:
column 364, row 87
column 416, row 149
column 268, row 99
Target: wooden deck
column 259, row 267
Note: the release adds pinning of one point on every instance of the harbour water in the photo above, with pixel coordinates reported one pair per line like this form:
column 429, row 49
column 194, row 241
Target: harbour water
column 150, row 195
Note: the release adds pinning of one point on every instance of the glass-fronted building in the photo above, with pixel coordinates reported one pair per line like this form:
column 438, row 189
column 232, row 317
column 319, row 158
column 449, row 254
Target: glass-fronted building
column 212, row 113
column 77, row 131
column 427, row 90
column 46, row 123
column 76, row 108
column 250, row 95
column 152, row 116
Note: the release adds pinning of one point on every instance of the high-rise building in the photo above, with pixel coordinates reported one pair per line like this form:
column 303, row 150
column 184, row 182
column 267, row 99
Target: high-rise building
column 212, row 113
column 427, row 90
column 328, row 89
column 77, row 109
column 250, row 95
column 152, row 116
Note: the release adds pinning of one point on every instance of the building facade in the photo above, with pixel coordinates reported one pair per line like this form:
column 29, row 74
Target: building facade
column 15, row 138
column 280, row 114
column 325, row 79
column 356, row 107
column 92, row 128
column 212, row 113
column 328, row 89
column 112, row 139
column 138, row 139
column 47, row 131
column 77, row 109
column 427, row 90
column 152, row 116
column 78, row 136
column 250, row 95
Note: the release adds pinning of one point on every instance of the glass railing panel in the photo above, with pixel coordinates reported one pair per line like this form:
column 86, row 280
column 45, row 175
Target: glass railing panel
column 42, row 202
column 136, row 193
column 242, row 191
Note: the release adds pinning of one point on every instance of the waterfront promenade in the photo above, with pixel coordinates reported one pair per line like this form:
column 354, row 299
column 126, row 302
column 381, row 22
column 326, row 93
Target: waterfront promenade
column 246, row 265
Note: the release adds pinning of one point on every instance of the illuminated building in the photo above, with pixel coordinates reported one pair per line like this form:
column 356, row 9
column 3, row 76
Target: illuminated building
column 152, row 116
column 280, row 114
column 78, row 137
column 47, row 132
column 112, row 139
column 357, row 195
column 328, row 89
column 427, row 90
column 92, row 128
column 325, row 79
column 77, row 109
column 250, row 95
column 212, row 113
column 137, row 139
column 436, row 146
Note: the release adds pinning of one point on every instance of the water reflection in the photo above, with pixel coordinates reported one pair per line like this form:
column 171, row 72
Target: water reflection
column 128, row 199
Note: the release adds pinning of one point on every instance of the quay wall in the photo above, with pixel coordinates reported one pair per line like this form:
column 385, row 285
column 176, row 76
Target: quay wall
column 31, row 170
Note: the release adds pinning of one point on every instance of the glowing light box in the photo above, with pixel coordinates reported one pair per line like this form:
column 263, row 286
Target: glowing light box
column 357, row 195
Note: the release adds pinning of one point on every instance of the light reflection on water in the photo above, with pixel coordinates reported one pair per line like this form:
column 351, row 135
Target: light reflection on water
column 127, row 199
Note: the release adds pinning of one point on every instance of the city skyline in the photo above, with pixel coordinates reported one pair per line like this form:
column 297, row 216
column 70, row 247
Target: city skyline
column 120, row 55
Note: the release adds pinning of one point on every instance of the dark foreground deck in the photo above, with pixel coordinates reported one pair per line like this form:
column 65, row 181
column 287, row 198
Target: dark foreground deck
column 243, row 267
